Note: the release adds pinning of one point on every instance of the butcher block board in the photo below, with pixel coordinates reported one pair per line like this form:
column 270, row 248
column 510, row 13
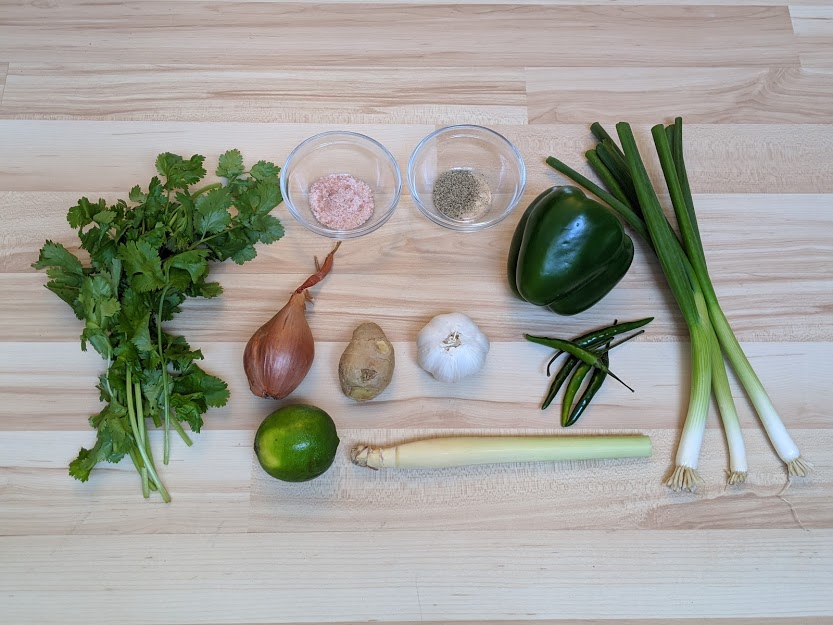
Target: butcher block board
column 92, row 91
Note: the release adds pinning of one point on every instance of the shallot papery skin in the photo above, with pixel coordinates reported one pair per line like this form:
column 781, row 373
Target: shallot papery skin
column 280, row 353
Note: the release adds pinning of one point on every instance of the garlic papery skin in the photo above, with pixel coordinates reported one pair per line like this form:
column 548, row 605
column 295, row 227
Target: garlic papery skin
column 451, row 347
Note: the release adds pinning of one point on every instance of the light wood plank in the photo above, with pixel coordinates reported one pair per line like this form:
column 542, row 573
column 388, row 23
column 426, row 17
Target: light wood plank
column 405, row 95
column 762, row 301
column 268, row 33
column 731, row 158
column 209, row 481
column 799, row 245
column 701, row 94
column 409, row 575
column 4, row 68
column 507, row 393
column 218, row 487
column 813, row 26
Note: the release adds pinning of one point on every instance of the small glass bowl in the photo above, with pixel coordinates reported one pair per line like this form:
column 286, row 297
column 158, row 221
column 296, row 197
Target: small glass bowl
column 479, row 150
column 341, row 152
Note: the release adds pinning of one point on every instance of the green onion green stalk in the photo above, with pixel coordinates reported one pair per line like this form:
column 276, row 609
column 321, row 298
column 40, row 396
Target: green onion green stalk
column 627, row 190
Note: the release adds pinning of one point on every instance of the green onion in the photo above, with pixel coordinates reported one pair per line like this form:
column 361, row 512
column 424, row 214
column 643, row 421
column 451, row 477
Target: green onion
column 684, row 265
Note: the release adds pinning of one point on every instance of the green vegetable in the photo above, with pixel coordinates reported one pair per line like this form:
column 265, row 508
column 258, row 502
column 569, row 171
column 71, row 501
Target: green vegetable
column 585, row 359
column 570, row 365
column 146, row 257
column 597, row 337
column 596, row 381
column 459, row 451
column 572, row 390
column 684, row 265
column 587, row 356
column 568, row 252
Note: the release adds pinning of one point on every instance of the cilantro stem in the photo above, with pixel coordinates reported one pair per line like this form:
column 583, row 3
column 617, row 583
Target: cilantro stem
column 143, row 434
column 213, row 236
column 134, row 426
column 185, row 438
column 166, row 453
column 208, row 187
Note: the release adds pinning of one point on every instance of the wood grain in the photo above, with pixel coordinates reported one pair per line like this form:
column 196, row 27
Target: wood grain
column 581, row 495
column 507, row 393
column 204, row 32
column 736, row 158
column 701, row 94
column 239, row 577
column 799, row 243
column 813, row 27
column 4, row 68
column 92, row 90
column 406, row 95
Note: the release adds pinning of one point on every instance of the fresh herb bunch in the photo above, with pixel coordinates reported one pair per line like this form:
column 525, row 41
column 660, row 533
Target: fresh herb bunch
column 145, row 260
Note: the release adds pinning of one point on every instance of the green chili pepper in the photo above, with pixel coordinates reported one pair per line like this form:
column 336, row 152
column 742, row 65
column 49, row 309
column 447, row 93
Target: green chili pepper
column 572, row 390
column 597, row 337
column 593, row 386
column 571, row 363
column 583, row 354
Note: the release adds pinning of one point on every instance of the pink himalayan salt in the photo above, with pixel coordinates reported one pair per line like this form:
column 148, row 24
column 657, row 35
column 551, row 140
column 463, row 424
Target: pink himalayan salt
column 340, row 201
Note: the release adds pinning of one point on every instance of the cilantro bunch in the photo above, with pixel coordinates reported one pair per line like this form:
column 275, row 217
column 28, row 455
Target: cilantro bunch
column 146, row 257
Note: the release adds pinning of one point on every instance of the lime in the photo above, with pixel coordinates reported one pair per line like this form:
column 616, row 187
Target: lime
column 296, row 443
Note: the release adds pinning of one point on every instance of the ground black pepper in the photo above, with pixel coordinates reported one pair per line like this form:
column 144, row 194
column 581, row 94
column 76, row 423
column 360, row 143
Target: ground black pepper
column 461, row 194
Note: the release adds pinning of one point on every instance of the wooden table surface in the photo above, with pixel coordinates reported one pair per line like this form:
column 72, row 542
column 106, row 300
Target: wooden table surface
column 92, row 90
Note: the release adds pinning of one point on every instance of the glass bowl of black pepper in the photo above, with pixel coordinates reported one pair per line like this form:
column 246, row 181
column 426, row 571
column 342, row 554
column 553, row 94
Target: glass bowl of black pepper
column 466, row 177
column 341, row 184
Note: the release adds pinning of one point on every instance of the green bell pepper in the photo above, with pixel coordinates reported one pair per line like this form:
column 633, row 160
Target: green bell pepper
column 568, row 252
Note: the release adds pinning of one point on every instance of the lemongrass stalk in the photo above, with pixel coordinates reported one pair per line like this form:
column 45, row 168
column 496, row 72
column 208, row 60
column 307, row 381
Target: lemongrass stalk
column 784, row 445
column 457, row 451
column 738, row 467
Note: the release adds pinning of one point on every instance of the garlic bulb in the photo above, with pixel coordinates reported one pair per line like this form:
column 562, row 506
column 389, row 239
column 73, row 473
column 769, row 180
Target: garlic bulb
column 451, row 347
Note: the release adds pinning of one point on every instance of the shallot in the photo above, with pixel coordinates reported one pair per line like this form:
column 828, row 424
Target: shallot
column 280, row 353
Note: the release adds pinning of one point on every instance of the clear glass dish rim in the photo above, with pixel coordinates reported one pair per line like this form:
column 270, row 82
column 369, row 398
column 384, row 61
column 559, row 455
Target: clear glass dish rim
column 330, row 232
column 461, row 226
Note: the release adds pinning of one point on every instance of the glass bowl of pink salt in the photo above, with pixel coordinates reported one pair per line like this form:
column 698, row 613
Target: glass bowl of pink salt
column 341, row 184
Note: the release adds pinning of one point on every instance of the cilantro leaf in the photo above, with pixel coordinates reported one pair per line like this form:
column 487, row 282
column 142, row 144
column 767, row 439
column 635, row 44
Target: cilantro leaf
column 179, row 172
column 141, row 262
column 230, row 164
column 206, row 289
column 267, row 228
column 192, row 261
column 113, row 442
column 96, row 298
column 64, row 271
column 140, row 336
column 264, row 170
column 136, row 194
column 83, row 212
column 212, row 209
column 195, row 380
column 187, row 409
